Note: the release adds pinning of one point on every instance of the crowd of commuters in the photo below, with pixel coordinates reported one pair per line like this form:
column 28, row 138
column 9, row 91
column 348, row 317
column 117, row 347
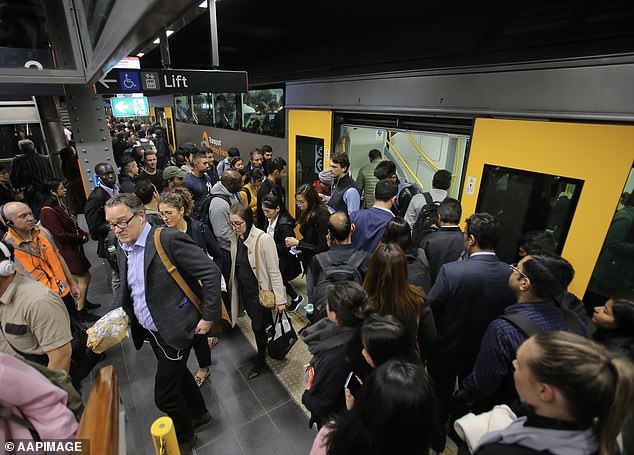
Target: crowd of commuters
column 403, row 304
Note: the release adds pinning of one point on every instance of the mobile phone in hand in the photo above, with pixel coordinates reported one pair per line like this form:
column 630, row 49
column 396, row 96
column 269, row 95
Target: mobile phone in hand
column 352, row 383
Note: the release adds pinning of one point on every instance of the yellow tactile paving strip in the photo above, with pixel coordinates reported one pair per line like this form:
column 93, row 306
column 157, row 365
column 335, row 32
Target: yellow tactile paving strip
column 290, row 371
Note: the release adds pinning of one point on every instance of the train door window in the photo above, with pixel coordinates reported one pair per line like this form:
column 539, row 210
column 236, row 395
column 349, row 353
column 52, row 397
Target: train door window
column 417, row 155
column 310, row 159
column 613, row 274
column 527, row 201
column 182, row 109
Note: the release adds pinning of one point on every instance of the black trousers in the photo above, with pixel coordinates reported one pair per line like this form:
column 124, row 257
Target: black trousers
column 202, row 350
column 175, row 391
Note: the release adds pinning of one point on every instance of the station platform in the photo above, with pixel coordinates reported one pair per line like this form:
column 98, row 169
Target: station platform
column 258, row 416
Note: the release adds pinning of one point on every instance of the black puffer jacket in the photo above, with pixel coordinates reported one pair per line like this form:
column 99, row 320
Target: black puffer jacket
column 290, row 267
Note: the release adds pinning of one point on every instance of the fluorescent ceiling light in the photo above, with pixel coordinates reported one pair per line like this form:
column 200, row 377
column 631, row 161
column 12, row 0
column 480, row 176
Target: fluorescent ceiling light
column 168, row 33
column 140, row 54
column 203, row 4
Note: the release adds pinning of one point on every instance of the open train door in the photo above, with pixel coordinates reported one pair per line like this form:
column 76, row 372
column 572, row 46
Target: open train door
column 309, row 143
column 565, row 178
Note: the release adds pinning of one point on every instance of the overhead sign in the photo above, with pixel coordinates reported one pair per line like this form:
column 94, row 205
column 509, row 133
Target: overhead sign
column 168, row 82
column 130, row 106
column 129, row 62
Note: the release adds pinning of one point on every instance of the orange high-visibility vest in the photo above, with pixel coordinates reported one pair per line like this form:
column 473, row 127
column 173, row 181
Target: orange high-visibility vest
column 38, row 259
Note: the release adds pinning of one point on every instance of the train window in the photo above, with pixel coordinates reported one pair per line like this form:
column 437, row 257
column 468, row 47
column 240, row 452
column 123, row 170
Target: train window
column 182, row 109
column 613, row 274
column 417, row 155
column 527, row 201
column 225, row 111
column 263, row 112
column 310, row 159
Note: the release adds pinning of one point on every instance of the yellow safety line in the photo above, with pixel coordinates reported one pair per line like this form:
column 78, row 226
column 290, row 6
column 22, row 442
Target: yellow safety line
column 455, row 168
column 421, row 152
column 403, row 161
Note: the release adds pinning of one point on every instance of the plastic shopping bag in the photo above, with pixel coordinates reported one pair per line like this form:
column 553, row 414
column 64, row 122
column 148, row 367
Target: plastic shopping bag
column 108, row 331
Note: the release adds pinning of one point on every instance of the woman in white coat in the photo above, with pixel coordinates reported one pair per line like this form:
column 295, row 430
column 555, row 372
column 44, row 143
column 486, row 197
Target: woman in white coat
column 247, row 244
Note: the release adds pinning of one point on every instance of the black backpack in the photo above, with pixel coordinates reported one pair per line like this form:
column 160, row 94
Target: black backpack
column 332, row 272
column 404, row 197
column 204, row 207
column 427, row 219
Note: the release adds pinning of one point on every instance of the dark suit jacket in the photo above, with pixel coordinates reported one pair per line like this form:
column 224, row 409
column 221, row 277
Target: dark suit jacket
column 443, row 246
column 96, row 219
column 175, row 317
column 466, row 297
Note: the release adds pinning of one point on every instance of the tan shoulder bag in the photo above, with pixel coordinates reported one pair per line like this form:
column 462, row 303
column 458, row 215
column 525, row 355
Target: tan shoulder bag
column 267, row 297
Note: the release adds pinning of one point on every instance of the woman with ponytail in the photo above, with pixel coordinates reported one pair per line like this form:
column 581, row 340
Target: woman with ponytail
column 579, row 396
column 335, row 344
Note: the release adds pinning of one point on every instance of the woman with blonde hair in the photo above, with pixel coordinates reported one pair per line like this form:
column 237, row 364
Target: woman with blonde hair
column 389, row 292
column 175, row 208
column 579, row 394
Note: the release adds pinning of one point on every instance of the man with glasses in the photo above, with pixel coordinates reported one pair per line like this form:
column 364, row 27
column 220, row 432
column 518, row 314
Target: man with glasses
column 536, row 281
column 465, row 298
column 160, row 311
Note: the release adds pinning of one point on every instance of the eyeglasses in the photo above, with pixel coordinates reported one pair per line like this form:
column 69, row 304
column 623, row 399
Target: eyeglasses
column 122, row 224
column 236, row 224
column 514, row 268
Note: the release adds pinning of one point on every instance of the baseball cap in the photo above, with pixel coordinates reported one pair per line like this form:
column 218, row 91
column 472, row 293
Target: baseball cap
column 173, row 171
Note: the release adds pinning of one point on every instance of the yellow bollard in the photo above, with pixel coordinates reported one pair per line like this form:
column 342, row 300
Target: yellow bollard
column 164, row 437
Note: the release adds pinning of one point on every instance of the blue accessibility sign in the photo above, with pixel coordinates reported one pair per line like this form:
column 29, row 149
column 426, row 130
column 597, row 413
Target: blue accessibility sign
column 129, row 81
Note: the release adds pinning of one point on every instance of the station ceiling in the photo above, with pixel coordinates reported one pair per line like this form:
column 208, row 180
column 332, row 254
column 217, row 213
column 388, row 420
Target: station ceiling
column 284, row 40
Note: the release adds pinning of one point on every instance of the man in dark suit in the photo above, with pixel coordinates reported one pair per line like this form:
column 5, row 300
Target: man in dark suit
column 465, row 298
column 447, row 243
column 161, row 312
column 96, row 216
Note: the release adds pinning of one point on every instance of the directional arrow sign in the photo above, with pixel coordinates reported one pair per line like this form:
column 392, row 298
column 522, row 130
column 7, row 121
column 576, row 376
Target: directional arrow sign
column 105, row 82
column 130, row 106
column 169, row 82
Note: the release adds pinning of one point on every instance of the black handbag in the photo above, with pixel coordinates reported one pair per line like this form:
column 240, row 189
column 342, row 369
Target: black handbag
column 280, row 346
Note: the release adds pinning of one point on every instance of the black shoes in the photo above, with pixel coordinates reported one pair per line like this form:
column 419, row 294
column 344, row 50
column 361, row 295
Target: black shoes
column 258, row 365
column 187, row 446
column 295, row 303
column 200, row 421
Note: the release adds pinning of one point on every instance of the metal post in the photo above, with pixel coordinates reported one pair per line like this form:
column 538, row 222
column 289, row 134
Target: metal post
column 213, row 28
column 166, row 60
column 90, row 129
column 53, row 130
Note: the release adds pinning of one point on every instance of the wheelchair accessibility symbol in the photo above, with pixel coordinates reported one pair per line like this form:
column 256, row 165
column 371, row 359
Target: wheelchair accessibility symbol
column 129, row 82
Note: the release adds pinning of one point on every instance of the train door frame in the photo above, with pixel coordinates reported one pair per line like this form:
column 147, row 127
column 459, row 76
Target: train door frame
column 559, row 148
column 307, row 123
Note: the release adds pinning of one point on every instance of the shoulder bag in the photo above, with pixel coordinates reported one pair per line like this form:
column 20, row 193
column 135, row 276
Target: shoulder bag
column 267, row 297
column 180, row 281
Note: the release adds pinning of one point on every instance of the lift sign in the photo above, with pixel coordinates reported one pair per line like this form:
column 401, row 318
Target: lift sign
column 130, row 106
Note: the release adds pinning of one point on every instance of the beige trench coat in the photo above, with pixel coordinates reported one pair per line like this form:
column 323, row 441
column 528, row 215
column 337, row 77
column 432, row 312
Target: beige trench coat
column 269, row 264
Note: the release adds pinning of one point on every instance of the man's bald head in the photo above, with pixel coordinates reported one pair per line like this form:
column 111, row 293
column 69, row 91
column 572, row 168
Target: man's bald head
column 231, row 180
column 11, row 208
column 340, row 226
column 18, row 216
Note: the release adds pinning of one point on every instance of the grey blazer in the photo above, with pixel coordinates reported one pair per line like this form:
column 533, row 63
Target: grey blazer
column 174, row 315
